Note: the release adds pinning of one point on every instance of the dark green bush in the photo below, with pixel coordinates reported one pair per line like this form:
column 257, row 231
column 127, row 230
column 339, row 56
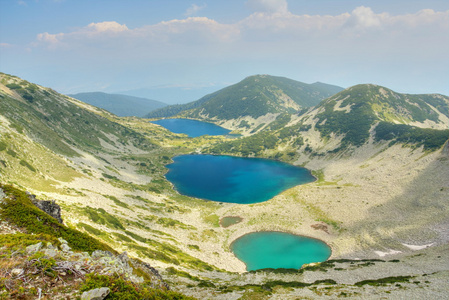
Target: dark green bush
column 13, row 86
column 19, row 210
column 430, row 139
column 384, row 281
column 122, row 289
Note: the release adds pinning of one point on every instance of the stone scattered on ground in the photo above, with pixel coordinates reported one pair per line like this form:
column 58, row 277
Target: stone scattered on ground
column 96, row 294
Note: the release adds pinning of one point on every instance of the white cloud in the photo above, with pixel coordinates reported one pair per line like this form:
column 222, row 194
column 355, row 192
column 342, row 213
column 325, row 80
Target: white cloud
column 52, row 41
column 364, row 17
column 107, row 27
column 5, row 45
column 193, row 9
column 268, row 6
column 361, row 32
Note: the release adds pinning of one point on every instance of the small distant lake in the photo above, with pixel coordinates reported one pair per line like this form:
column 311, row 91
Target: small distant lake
column 272, row 249
column 229, row 221
column 192, row 128
column 234, row 179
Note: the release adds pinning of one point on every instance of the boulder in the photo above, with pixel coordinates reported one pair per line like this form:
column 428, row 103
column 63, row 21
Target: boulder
column 34, row 248
column 99, row 254
column 50, row 207
column 95, row 294
column 17, row 272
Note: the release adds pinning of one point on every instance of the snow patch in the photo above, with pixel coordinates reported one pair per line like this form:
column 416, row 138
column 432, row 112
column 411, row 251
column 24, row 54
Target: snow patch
column 417, row 247
column 391, row 252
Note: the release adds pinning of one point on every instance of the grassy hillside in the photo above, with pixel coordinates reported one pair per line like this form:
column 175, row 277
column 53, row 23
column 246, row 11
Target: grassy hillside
column 57, row 122
column 354, row 111
column 372, row 198
column 62, row 261
column 351, row 118
column 254, row 96
column 120, row 105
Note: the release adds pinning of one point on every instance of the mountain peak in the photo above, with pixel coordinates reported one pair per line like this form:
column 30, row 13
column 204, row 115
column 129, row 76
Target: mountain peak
column 254, row 96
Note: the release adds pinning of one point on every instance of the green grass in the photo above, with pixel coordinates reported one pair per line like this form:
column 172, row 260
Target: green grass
column 212, row 219
column 100, row 216
column 20, row 211
column 384, row 281
column 117, row 201
column 18, row 241
column 121, row 289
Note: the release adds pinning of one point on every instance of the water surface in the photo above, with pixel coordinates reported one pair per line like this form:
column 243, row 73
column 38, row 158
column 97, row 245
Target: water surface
column 192, row 128
column 272, row 249
column 234, row 179
column 229, row 221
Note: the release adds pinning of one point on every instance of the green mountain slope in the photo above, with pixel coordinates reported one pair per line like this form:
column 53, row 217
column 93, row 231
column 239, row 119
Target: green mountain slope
column 354, row 111
column 351, row 118
column 59, row 122
column 118, row 104
column 254, row 96
column 51, row 255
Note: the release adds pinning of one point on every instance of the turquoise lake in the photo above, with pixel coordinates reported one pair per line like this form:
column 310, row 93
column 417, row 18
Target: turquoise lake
column 272, row 249
column 234, row 179
column 192, row 128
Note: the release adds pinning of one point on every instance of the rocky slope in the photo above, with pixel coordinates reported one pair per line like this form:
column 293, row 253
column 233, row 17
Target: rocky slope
column 380, row 203
column 38, row 261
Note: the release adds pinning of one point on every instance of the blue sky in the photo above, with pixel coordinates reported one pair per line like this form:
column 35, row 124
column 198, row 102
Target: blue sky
column 201, row 46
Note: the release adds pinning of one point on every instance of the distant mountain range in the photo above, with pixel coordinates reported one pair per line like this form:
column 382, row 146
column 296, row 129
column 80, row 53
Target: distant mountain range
column 118, row 104
column 254, row 96
column 172, row 94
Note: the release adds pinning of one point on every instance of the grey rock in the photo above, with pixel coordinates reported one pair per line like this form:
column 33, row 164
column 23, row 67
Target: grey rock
column 50, row 246
column 48, row 206
column 16, row 272
column 99, row 253
column 66, row 248
column 80, row 256
column 62, row 240
column 135, row 279
column 95, row 294
column 51, row 252
column 34, row 248
column 124, row 259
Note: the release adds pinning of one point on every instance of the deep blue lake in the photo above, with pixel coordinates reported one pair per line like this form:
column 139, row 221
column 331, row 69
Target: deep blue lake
column 272, row 249
column 234, row 179
column 192, row 128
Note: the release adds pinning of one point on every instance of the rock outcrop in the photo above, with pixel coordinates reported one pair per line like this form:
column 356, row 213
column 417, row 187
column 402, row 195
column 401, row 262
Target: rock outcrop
column 48, row 206
column 96, row 294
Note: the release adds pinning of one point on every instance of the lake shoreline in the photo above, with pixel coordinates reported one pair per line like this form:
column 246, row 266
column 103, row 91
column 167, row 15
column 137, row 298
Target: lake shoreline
column 302, row 249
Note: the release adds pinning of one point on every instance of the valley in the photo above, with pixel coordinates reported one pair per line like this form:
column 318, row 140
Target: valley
column 379, row 201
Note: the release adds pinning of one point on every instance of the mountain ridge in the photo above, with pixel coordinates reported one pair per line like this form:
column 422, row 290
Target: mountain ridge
column 119, row 104
column 254, row 96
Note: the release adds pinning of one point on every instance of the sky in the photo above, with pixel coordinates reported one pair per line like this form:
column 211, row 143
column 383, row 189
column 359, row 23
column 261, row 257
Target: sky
column 177, row 51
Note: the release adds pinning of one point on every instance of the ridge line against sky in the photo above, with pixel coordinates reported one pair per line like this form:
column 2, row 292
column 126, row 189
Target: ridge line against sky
column 198, row 47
